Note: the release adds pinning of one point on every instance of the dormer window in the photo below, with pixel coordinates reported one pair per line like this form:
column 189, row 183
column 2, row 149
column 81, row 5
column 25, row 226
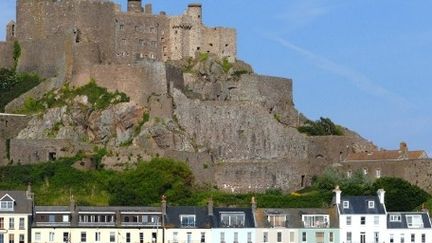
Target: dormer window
column 345, row 204
column 395, row 218
column 233, row 220
column 414, row 221
column 371, row 204
column 7, row 203
column 187, row 220
column 277, row 220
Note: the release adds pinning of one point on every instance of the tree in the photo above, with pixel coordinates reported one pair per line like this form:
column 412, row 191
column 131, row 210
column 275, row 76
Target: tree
column 400, row 194
column 322, row 127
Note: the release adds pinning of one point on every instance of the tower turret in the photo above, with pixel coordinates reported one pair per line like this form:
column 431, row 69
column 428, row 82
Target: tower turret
column 11, row 31
column 195, row 11
column 135, row 6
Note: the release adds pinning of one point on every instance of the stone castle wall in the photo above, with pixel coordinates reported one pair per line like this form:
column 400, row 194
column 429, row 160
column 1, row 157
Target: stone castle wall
column 10, row 125
column 6, row 54
column 417, row 172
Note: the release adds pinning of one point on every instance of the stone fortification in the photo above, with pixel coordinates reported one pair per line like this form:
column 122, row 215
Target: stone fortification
column 6, row 54
column 10, row 126
column 65, row 38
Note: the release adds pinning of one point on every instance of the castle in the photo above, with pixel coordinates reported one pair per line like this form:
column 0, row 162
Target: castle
column 67, row 36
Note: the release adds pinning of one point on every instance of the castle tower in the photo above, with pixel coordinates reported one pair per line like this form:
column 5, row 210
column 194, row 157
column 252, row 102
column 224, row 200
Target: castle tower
column 195, row 11
column 11, row 31
column 135, row 6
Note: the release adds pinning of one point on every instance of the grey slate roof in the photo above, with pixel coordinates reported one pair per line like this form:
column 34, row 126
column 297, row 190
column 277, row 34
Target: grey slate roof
column 359, row 205
column 22, row 204
column 97, row 209
column 202, row 219
column 403, row 223
column 249, row 219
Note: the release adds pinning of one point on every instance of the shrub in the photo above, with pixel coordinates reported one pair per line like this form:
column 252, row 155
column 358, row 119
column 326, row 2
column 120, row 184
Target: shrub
column 322, row 127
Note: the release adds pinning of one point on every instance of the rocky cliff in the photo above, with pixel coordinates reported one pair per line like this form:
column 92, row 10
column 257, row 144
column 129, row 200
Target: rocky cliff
column 236, row 129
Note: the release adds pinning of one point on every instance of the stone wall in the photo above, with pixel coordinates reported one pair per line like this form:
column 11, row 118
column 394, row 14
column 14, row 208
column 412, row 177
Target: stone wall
column 10, row 126
column 239, row 131
column 417, row 172
column 139, row 82
column 31, row 151
column 6, row 54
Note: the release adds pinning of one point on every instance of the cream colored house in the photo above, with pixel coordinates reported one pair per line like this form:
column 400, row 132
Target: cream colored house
column 15, row 216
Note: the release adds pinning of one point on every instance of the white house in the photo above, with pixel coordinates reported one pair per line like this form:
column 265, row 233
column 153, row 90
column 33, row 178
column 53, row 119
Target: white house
column 362, row 219
column 408, row 227
column 15, row 216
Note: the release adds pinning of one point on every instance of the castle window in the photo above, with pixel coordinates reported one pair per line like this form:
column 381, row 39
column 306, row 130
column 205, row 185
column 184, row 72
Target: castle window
column 226, row 45
column 198, row 48
column 52, row 156
column 378, row 173
column 365, row 171
column 121, row 27
column 349, row 174
column 141, row 42
column 210, row 44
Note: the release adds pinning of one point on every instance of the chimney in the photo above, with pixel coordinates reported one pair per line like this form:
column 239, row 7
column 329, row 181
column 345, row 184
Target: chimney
column 73, row 210
column 29, row 194
column 253, row 204
column 381, row 194
column 338, row 193
column 163, row 205
column 403, row 150
column 210, row 207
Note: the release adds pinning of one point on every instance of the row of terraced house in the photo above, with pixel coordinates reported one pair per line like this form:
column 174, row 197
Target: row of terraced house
column 351, row 219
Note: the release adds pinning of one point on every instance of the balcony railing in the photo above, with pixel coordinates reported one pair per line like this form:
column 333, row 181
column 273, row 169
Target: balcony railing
column 96, row 223
column 53, row 224
column 148, row 224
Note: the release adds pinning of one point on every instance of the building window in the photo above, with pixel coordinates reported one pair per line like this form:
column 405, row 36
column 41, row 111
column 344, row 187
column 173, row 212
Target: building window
column 222, row 237
column 348, row 220
column 348, row 237
column 6, row 205
column 331, row 237
column 175, row 237
column 66, row 237
column 315, row 221
column 232, row 220
column 391, row 238
column 11, row 223
column 189, row 237
column 21, row 223
column 279, row 236
column 423, row 237
column 249, row 237
column 414, row 221
column 121, row 27
column 378, row 173
column 402, row 238
column 236, row 237
column 21, row 238
column 304, row 238
column 141, row 237
column 112, row 236
column 412, row 238
column 265, row 236
column 345, row 204
column 376, row 220
column 371, row 204
column 51, row 236
column 65, row 218
column 1, row 223
column 128, row 239
column 51, row 218
column 97, row 236
column 276, row 220
column 203, row 237
column 362, row 237
column 83, row 237
column 12, row 238
column 363, row 220
column 376, row 237
column 37, row 236
column 319, row 237
column 187, row 220
column 2, row 238
column 395, row 218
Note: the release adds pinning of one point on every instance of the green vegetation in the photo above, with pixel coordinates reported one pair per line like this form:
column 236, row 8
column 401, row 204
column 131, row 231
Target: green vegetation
column 16, row 54
column 226, row 65
column 322, row 127
column 53, row 182
column 99, row 98
column 400, row 194
column 13, row 84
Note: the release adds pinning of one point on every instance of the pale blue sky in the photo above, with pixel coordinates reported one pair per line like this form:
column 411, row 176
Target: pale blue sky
column 366, row 64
